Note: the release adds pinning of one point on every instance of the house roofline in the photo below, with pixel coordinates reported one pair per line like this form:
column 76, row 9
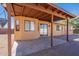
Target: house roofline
column 61, row 9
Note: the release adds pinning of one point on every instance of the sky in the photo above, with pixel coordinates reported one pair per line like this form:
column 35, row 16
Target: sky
column 3, row 14
column 70, row 7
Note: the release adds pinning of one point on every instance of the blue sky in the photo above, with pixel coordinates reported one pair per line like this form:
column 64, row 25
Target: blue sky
column 3, row 14
column 70, row 7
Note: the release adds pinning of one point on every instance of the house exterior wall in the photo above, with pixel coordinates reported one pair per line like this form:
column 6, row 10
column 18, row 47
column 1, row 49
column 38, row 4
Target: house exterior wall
column 70, row 29
column 31, row 35
column 25, row 35
column 58, row 33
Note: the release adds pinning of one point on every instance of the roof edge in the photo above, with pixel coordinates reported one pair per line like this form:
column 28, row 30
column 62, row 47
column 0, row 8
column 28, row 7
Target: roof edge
column 63, row 10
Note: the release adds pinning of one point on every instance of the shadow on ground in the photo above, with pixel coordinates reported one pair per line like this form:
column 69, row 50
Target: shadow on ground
column 42, row 47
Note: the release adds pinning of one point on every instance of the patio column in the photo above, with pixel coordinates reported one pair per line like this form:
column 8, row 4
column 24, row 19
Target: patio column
column 51, row 30
column 9, row 28
column 67, row 29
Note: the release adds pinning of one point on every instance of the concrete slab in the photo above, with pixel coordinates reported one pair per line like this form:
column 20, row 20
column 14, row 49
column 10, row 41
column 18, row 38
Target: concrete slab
column 59, row 41
column 32, row 46
column 66, row 49
column 24, row 48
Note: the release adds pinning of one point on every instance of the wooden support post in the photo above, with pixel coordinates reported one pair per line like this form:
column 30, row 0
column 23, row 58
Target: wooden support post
column 67, row 30
column 52, row 30
column 9, row 28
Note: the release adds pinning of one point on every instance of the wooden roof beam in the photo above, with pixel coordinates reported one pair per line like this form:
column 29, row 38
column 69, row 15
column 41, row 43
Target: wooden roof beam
column 55, row 6
column 12, row 9
column 22, row 10
column 36, row 8
column 59, row 16
column 38, row 14
column 45, row 15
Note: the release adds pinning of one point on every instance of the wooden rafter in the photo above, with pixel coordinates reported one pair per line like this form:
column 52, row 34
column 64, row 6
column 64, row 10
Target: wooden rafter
column 18, row 9
column 62, row 10
column 39, row 7
column 33, row 12
column 38, row 14
column 28, row 11
column 45, row 15
column 50, row 8
column 22, row 10
column 36, row 8
column 45, row 6
column 12, row 9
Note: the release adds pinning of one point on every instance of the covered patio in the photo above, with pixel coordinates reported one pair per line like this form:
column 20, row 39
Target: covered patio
column 46, row 12
column 66, row 49
column 41, row 46
column 33, row 46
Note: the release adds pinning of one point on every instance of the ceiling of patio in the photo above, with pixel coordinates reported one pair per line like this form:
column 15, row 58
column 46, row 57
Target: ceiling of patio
column 29, row 12
column 22, row 10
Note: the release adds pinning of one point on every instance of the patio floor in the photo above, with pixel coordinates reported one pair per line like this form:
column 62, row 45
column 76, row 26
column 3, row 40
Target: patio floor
column 42, row 46
column 66, row 49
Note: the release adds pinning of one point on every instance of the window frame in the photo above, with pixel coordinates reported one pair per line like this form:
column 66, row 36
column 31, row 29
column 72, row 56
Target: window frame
column 17, row 25
column 29, row 26
column 58, row 28
column 43, row 29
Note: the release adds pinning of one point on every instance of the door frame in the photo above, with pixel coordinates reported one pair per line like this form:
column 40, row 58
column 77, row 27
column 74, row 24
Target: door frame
column 47, row 29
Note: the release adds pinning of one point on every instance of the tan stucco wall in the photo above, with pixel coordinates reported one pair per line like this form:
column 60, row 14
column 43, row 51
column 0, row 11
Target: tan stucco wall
column 57, row 33
column 25, row 35
column 70, row 31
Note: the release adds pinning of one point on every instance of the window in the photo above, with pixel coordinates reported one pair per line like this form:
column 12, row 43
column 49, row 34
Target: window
column 58, row 27
column 43, row 29
column 17, row 25
column 62, row 27
column 32, row 26
column 29, row 26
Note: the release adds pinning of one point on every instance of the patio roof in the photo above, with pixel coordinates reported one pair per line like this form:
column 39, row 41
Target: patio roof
column 62, row 10
column 39, row 10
